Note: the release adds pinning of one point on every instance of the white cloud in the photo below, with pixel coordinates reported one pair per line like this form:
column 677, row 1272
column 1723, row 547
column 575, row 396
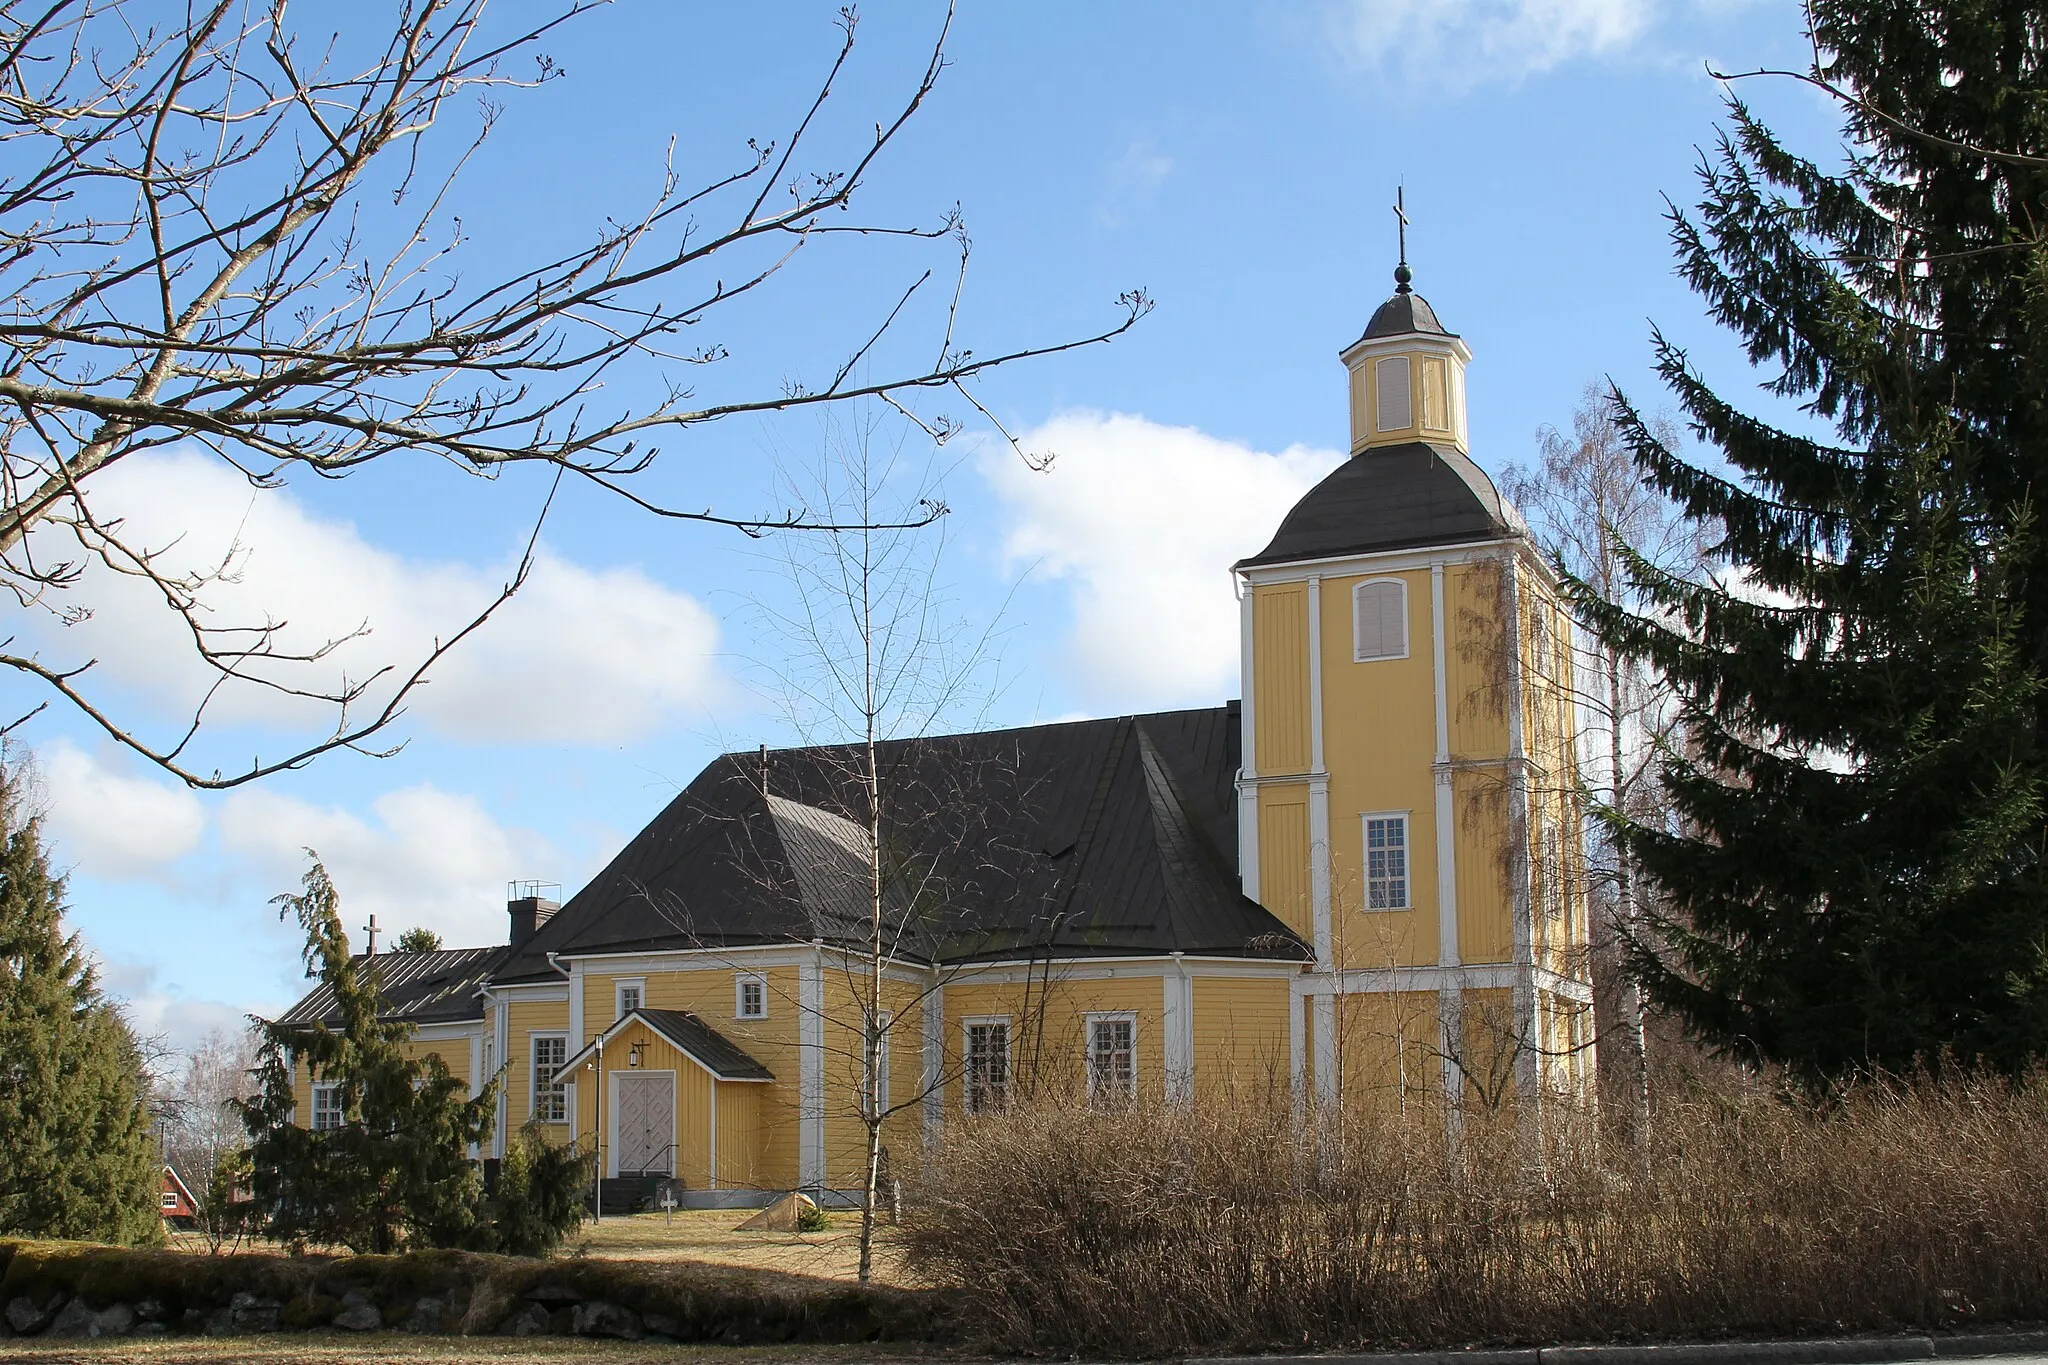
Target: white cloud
column 580, row 655
column 1463, row 43
column 425, row 857
column 1142, row 522
column 111, row 825
column 176, row 1020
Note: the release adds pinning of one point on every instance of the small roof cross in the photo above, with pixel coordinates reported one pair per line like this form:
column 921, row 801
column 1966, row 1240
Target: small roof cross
column 371, row 930
column 1401, row 272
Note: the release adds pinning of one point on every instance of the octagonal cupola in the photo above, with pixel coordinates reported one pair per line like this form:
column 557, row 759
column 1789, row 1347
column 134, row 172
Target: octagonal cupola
column 1407, row 375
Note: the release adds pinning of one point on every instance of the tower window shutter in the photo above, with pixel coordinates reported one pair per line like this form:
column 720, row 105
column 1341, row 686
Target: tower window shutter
column 1380, row 620
column 1396, row 404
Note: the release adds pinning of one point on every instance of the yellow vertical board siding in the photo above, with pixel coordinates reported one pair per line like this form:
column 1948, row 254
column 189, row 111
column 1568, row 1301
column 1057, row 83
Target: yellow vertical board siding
column 693, row 1099
column 739, row 1137
column 845, row 994
column 1486, row 927
column 1436, row 396
column 1379, row 741
column 453, row 1052
column 1280, row 670
column 1240, row 1035
column 709, row 992
column 1387, row 1054
column 524, row 1019
column 1284, row 857
column 1474, row 664
column 1361, row 407
column 1490, row 1045
column 1048, row 1029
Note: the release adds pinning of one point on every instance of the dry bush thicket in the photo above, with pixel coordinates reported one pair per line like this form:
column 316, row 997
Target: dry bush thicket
column 1232, row 1225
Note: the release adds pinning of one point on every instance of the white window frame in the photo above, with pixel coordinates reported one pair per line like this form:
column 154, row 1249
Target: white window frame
column 1365, row 821
column 740, row 982
column 968, row 1090
column 1358, row 656
column 1091, row 1062
column 636, row 984
column 320, row 1088
column 534, row 1087
column 170, row 1200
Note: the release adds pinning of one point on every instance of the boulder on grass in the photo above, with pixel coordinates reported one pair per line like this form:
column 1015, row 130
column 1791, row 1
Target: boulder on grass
column 780, row 1216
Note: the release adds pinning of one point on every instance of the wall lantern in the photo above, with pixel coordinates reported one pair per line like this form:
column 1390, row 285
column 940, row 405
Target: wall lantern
column 633, row 1054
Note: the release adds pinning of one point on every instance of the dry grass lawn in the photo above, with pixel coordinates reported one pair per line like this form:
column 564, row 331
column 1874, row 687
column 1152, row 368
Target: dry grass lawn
column 708, row 1235
column 705, row 1235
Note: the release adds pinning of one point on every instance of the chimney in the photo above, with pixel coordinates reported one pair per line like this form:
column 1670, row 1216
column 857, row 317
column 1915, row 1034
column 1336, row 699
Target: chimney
column 529, row 909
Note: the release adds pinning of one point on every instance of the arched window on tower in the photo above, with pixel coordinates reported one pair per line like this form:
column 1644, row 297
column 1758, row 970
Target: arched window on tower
column 1379, row 616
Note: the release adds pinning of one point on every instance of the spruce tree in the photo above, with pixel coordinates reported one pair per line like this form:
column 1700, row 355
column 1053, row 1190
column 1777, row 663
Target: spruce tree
column 77, row 1155
column 397, row 1172
column 1853, row 880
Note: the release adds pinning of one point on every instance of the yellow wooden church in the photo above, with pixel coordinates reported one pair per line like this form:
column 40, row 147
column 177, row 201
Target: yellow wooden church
column 1360, row 882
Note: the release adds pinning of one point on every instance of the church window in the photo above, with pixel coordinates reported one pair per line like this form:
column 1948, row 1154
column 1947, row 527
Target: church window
column 1379, row 614
column 1396, row 404
column 550, row 1096
column 1386, row 862
column 326, row 1106
column 1112, row 1058
column 987, row 1088
column 750, row 997
column 631, row 996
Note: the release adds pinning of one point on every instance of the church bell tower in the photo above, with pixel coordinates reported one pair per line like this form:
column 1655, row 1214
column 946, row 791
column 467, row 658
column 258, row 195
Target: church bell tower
column 1406, row 796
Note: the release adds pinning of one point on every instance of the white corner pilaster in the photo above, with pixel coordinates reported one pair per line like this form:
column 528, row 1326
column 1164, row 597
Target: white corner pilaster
column 1248, row 763
column 1528, row 1073
column 1297, row 1048
column 934, row 1062
column 1450, row 994
column 1325, row 1015
column 579, row 1038
column 1177, row 1022
column 810, row 992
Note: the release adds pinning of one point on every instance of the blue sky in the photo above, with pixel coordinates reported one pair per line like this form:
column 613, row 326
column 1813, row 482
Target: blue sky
column 1237, row 161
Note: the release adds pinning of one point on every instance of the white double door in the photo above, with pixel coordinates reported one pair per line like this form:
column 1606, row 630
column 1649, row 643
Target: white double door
column 644, row 1122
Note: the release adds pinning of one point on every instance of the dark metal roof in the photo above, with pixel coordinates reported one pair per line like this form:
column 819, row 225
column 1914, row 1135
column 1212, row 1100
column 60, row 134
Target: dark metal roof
column 1392, row 498
column 1402, row 315
column 718, row 1054
column 1088, row 838
column 423, row 988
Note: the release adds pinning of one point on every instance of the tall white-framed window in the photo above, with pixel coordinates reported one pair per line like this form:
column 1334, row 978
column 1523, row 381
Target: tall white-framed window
column 985, row 1082
column 1112, row 1058
column 550, row 1096
column 326, row 1106
column 749, row 996
column 629, row 995
column 1386, row 860
column 878, row 1037
column 1379, row 620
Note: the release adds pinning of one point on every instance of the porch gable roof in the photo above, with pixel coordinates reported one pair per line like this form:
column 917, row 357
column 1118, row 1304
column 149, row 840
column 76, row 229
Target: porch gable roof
column 689, row 1035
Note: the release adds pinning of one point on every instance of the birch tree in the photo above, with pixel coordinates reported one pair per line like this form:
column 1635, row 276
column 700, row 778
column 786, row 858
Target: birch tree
column 875, row 650
column 1590, row 510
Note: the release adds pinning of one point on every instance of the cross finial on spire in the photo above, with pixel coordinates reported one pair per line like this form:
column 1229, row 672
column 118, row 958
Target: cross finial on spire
column 1402, row 274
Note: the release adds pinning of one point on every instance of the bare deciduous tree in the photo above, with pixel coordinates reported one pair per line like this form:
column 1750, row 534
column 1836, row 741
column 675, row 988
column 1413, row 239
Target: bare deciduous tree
column 220, row 232
column 874, row 652
column 1590, row 510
